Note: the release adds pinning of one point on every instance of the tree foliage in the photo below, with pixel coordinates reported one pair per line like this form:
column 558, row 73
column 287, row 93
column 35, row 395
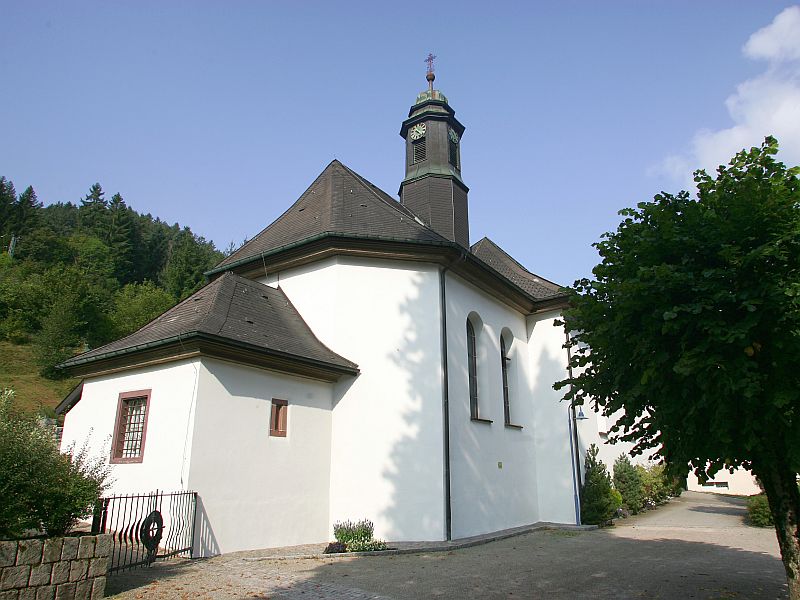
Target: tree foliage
column 67, row 287
column 691, row 326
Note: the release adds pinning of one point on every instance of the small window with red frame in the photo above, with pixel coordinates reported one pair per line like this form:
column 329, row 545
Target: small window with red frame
column 277, row 420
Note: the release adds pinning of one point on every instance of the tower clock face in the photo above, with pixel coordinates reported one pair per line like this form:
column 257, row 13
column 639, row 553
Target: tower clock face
column 417, row 131
column 453, row 136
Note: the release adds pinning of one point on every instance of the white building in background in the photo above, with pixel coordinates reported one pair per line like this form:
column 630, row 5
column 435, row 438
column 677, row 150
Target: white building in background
column 358, row 358
column 593, row 428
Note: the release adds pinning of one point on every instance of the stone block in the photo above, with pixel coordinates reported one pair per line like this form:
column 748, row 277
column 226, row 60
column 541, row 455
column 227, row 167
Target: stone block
column 65, row 591
column 86, row 546
column 47, row 592
column 52, row 550
column 8, row 553
column 98, row 567
column 103, row 545
column 60, row 572
column 27, row 594
column 83, row 590
column 98, row 588
column 69, row 551
column 15, row 577
column 40, row 575
column 29, row 552
column 78, row 570
column 9, row 595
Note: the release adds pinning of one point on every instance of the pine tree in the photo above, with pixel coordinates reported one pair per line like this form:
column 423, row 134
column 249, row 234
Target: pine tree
column 92, row 213
column 120, row 238
column 628, row 482
column 8, row 196
column 25, row 215
column 598, row 501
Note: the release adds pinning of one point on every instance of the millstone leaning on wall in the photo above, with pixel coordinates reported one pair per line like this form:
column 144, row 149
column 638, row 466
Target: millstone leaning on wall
column 54, row 568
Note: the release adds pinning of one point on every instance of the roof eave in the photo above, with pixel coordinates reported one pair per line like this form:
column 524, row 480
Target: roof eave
column 198, row 344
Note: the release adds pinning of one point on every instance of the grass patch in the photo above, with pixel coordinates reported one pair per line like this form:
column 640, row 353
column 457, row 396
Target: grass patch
column 19, row 370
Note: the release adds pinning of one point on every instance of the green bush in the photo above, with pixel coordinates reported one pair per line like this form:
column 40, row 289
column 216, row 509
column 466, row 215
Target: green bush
column 599, row 501
column 758, row 511
column 357, row 536
column 628, row 482
column 42, row 490
column 654, row 484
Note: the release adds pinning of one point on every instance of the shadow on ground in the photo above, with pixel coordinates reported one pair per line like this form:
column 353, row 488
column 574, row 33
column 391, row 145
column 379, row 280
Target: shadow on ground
column 734, row 511
column 554, row 564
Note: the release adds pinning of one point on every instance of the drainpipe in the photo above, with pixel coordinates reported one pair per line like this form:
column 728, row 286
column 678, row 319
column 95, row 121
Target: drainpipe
column 448, row 511
column 577, row 479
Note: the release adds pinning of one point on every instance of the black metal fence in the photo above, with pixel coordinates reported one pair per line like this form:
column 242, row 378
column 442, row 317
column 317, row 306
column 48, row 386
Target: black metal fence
column 146, row 527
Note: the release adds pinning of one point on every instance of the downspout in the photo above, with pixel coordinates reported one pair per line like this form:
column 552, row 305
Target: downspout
column 448, row 510
column 577, row 479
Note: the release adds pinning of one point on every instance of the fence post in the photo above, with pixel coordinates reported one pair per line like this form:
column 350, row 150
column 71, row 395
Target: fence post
column 99, row 515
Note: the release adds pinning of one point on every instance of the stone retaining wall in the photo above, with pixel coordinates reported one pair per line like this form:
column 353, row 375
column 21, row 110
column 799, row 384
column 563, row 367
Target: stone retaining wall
column 69, row 568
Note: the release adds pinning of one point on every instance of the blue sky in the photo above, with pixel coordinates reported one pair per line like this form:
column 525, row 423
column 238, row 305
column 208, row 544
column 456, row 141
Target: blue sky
column 219, row 115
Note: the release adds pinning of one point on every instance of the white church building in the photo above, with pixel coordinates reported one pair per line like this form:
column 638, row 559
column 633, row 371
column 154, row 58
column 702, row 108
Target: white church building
column 358, row 358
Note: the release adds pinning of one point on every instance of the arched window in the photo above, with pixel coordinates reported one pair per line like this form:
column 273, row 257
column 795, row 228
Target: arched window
column 504, row 364
column 472, row 362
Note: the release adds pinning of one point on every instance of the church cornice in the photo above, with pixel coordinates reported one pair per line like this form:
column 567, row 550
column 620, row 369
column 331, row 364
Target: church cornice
column 445, row 253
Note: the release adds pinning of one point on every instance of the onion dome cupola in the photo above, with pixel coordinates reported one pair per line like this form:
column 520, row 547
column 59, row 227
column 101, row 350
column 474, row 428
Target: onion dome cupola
column 433, row 188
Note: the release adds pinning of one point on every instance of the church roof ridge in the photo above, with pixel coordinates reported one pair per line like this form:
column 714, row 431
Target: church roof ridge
column 339, row 201
column 506, row 265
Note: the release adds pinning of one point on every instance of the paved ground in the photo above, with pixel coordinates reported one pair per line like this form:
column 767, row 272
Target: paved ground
column 697, row 546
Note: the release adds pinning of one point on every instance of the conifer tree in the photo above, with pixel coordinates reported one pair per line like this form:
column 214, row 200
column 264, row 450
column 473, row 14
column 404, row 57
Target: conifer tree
column 8, row 196
column 598, row 501
column 628, row 482
column 120, row 238
column 25, row 212
column 92, row 213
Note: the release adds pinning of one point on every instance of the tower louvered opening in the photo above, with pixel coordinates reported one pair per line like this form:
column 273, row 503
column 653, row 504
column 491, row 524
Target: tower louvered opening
column 453, row 154
column 419, row 149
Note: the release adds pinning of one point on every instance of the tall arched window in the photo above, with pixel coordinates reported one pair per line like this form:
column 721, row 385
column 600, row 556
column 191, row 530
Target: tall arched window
column 504, row 363
column 472, row 361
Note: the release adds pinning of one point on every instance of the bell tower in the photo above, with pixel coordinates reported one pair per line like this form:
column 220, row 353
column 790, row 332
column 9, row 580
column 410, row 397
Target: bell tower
column 433, row 187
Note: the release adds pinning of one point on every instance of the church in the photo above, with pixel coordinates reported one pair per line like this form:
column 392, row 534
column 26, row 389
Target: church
column 358, row 358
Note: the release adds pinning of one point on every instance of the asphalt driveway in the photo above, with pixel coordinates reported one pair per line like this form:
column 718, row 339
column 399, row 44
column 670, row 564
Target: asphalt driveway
column 697, row 546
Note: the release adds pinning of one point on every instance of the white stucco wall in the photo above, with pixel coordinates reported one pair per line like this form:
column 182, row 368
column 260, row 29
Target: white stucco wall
column 387, row 442
column 505, row 477
column 554, row 443
column 256, row 490
column 741, row 483
column 169, row 424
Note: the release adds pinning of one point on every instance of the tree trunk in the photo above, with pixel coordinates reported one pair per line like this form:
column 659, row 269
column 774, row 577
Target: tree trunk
column 780, row 485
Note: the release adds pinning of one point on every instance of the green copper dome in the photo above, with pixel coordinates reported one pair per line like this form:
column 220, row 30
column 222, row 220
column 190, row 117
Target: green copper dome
column 430, row 95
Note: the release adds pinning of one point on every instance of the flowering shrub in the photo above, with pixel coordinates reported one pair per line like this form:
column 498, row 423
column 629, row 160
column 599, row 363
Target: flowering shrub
column 42, row 490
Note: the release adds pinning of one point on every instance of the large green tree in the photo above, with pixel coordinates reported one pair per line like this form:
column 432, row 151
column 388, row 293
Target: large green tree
column 691, row 326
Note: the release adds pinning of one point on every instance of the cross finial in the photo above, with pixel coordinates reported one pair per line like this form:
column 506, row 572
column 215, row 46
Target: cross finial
column 429, row 60
column 430, row 75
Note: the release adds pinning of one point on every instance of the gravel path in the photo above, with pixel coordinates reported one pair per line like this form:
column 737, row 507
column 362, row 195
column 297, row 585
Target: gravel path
column 697, row 546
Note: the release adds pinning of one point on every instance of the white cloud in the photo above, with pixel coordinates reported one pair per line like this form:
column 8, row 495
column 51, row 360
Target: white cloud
column 768, row 104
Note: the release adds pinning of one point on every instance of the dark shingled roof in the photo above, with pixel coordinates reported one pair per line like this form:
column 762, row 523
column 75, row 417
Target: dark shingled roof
column 497, row 258
column 342, row 202
column 236, row 309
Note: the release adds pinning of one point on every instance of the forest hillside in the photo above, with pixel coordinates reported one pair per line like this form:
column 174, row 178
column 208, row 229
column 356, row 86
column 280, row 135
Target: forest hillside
column 77, row 276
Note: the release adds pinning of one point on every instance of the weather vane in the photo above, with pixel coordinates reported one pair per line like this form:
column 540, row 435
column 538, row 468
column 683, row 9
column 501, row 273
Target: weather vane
column 430, row 76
